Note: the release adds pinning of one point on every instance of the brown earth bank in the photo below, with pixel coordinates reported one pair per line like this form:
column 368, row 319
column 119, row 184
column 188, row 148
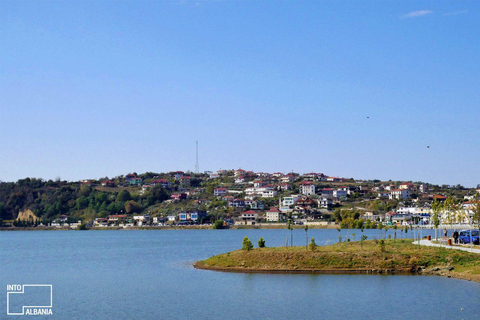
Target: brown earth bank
column 27, row 215
column 371, row 257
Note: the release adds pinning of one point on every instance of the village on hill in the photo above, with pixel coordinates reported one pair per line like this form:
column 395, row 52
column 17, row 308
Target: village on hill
column 236, row 197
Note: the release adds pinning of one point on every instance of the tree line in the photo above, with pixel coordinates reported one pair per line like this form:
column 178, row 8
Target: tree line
column 49, row 199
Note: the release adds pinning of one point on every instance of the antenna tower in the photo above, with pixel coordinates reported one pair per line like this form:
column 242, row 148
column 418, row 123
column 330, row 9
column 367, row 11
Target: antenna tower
column 197, row 166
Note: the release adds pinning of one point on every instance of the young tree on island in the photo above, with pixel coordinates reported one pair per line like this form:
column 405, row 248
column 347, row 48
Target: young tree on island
column 247, row 244
column 261, row 243
column 312, row 246
column 381, row 243
column 363, row 238
column 290, row 227
column 306, row 235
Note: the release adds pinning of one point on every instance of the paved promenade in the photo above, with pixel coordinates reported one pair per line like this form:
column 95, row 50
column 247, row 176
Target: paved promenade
column 464, row 248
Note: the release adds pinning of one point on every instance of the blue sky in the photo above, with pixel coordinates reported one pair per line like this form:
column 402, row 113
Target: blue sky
column 100, row 88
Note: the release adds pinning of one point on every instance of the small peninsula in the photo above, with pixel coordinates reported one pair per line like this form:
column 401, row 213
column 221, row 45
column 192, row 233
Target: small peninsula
column 366, row 257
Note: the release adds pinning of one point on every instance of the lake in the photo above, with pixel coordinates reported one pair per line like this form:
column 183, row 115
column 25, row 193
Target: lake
column 148, row 274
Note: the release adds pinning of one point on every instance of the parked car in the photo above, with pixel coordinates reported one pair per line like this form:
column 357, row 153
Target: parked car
column 464, row 236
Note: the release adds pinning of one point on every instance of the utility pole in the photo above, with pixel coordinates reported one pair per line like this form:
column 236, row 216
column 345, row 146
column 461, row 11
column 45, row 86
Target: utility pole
column 197, row 166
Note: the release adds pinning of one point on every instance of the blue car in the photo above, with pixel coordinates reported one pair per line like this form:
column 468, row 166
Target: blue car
column 464, row 236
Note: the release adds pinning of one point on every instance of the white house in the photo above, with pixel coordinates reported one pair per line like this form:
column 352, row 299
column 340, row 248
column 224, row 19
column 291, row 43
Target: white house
column 407, row 185
column 291, row 200
column 239, row 172
column 288, row 178
column 414, row 210
column 177, row 175
column 249, row 217
column 383, row 194
column 339, row 193
column 264, row 192
column 259, row 184
column 307, row 188
column 273, row 215
column 334, row 179
column 325, row 202
column 240, row 179
column 219, row 192
column 400, row 194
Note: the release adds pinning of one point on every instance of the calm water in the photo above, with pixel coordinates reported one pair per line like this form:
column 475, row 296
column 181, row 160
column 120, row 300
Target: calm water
column 148, row 275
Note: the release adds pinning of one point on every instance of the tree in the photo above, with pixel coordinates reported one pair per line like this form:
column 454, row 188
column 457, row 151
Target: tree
column 3, row 211
column 448, row 206
column 312, row 246
column 123, row 196
column 363, row 238
column 381, row 243
column 306, row 235
column 261, row 243
column 218, row 224
column 157, row 194
column 81, row 203
column 247, row 244
column 132, row 206
column 210, row 189
column 436, row 209
column 475, row 208
column 82, row 226
column 380, row 227
column 290, row 227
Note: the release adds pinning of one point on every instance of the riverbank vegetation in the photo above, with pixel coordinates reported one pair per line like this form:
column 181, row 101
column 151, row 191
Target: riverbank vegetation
column 371, row 256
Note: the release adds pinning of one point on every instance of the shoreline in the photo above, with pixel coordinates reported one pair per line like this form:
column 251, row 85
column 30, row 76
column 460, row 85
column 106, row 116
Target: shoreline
column 432, row 272
column 199, row 265
column 209, row 227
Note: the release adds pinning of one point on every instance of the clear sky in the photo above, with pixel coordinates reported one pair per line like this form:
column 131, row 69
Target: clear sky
column 348, row 88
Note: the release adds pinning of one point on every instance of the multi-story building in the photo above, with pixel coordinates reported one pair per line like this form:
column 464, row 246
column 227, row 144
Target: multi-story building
column 400, row 194
column 274, row 215
column 307, row 188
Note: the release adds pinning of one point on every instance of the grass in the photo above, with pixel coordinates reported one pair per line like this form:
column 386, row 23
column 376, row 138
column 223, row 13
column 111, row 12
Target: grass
column 398, row 257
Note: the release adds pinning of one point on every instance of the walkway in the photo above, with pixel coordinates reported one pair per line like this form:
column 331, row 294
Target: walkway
column 431, row 244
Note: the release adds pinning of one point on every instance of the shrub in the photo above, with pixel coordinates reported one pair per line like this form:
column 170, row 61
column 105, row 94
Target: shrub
column 364, row 237
column 218, row 224
column 247, row 244
column 261, row 243
column 381, row 243
column 82, row 226
column 312, row 246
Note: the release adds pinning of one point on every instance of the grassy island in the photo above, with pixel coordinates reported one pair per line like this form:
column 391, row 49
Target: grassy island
column 371, row 257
